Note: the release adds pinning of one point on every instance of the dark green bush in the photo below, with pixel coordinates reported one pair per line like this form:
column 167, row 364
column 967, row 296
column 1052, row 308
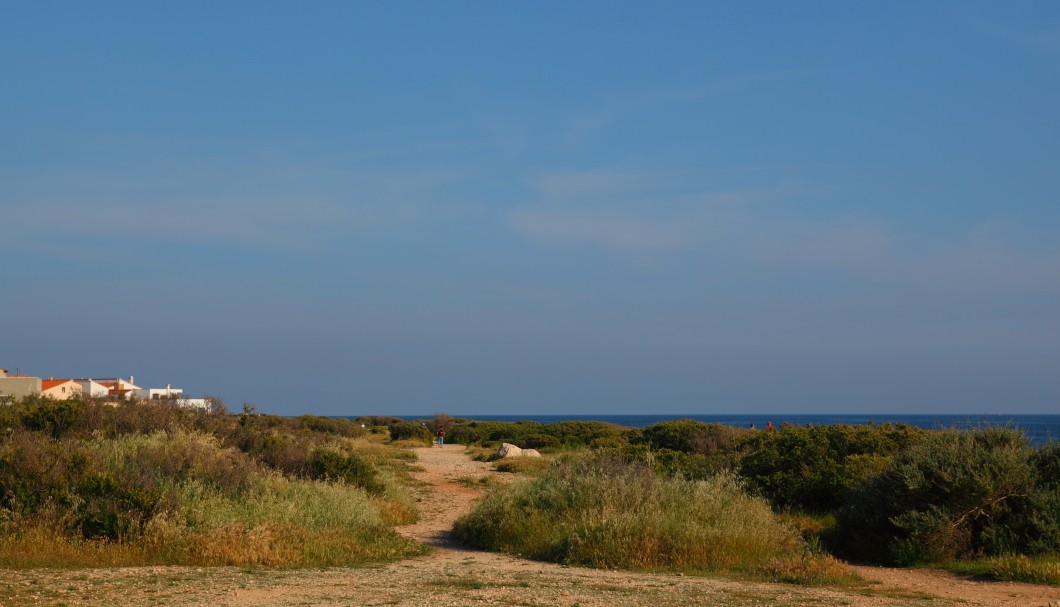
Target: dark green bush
column 53, row 417
column 1033, row 523
column 407, row 430
column 535, row 435
column 112, row 507
column 956, row 494
column 330, row 464
column 377, row 420
column 331, row 425
column 814, row 468
column 691, row 436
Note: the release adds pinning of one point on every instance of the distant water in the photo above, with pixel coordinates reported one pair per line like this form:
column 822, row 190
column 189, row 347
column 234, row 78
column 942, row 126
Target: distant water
column 1039, row 429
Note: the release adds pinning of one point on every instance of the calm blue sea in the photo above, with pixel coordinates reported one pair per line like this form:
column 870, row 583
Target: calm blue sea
column 1039, row 429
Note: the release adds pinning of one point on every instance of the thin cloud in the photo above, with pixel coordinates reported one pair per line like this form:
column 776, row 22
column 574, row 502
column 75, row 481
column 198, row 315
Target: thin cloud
column 1046, row 41
column 293, row 211
column 630, row 212
column 617, row 107
column 611, row 230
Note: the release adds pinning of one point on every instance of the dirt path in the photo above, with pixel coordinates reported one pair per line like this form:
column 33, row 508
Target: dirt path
column 453, row 575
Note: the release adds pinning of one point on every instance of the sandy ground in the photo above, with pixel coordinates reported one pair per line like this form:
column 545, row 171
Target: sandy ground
column 453, row 575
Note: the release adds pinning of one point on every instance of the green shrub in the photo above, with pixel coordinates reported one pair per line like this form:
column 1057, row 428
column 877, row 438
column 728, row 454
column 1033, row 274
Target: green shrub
column 955, row 495
column 410, row 431
column 605, row 512
column 691, row 436
column 377, row 420
column 535, row 435
column 668, row 462
column 53, row 417
column 1032, row 525
column 814, row 468
column 332, row 425
column 332, row 464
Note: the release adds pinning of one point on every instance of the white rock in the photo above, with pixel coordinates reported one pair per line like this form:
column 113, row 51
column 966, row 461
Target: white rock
column 509, row 450
column 531, row 453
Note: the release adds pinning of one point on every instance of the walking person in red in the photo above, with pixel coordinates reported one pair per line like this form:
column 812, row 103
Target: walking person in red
column 441, row 436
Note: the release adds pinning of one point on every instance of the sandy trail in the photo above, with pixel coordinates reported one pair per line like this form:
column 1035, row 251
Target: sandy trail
column 454, row 575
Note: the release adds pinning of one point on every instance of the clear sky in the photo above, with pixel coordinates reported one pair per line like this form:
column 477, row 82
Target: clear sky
column 537, row 207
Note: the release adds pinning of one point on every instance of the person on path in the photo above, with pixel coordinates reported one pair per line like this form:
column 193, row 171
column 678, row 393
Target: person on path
column 441, row 436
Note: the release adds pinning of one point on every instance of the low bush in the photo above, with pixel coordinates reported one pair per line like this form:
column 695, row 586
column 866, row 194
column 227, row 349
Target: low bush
column 815, row 468
column 535, row 435
column 333, row 464
column 605, row 512
column 332, row 425
column 957, row 494
column 691, row 436
column 411, row 431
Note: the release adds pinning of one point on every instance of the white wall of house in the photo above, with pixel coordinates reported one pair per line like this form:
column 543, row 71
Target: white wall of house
column 122, row 384
column 167, row 392
column 91, row 387
column 63, row 391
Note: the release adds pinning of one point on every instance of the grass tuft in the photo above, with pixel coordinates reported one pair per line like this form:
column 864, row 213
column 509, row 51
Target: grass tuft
column 528, row 466
column 608, row 513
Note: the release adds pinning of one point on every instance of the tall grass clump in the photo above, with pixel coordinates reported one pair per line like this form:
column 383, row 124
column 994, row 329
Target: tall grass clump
column 1021, row 568
column 609, row 513
column 280, row 521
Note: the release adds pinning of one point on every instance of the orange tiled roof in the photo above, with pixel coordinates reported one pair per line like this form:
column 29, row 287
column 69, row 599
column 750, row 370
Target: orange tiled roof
column 48, row 384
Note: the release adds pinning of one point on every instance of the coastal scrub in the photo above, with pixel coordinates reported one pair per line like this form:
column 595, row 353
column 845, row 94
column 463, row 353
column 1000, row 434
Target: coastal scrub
column 608, row 513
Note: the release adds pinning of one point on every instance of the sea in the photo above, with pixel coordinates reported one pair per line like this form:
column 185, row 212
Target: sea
column 1039, row 429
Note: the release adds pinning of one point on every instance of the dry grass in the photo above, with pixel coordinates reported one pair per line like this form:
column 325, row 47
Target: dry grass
column 1019, row 568
column 528, row 466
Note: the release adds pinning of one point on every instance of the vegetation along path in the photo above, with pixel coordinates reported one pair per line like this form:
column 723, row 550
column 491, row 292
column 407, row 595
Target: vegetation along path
column 453, row 575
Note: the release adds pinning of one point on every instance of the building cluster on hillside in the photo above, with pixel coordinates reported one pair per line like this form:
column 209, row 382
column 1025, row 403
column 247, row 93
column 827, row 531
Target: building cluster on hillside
column 16, row 385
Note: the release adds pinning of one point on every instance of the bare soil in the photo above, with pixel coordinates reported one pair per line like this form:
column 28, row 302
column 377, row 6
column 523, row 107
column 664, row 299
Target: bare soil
column 454, row 575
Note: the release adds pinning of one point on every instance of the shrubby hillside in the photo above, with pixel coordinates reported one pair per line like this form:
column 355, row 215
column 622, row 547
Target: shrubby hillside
column 82, row 481
column 890, row 494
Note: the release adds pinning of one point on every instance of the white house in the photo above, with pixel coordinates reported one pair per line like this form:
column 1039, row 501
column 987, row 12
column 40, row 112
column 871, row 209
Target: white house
column 174, row 396
column 60, row 389
column 92, row 388
column 169, row 392
column 117, row 386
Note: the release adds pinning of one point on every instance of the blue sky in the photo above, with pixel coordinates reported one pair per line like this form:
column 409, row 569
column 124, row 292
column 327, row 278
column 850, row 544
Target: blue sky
column 535, row 208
